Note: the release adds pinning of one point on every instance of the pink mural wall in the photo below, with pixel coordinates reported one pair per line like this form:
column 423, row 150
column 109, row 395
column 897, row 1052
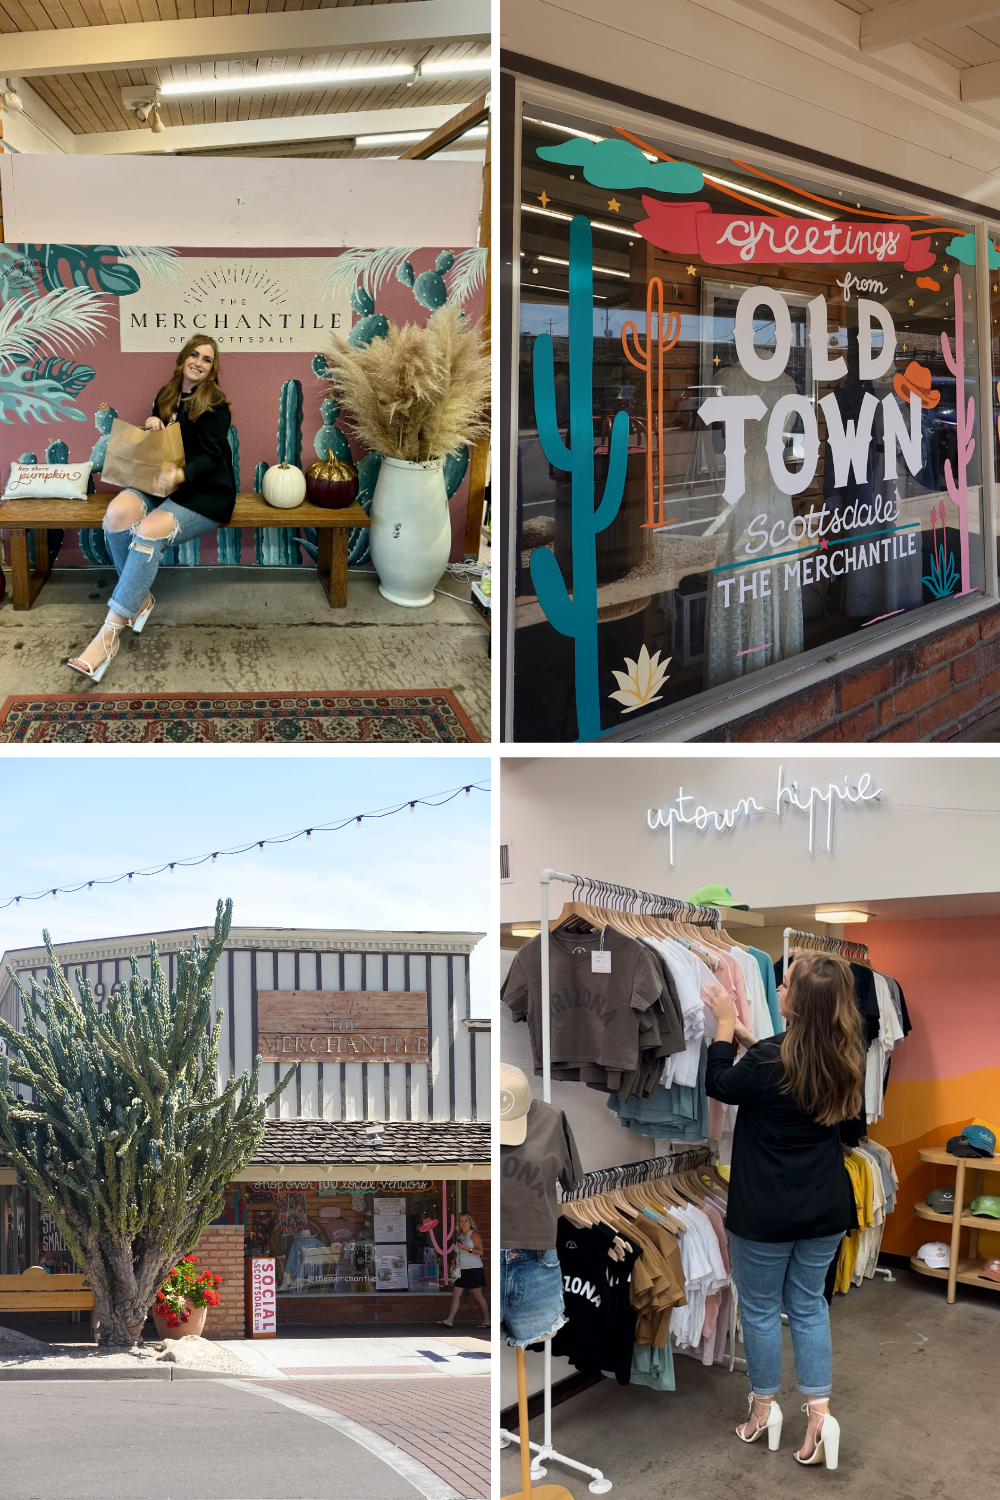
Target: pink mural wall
column 251, row 380
column 948, row 1070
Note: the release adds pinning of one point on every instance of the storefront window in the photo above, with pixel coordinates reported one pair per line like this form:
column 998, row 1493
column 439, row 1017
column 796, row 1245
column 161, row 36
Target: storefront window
column 748, row 423
column 350, row 1238
column 14, row 1231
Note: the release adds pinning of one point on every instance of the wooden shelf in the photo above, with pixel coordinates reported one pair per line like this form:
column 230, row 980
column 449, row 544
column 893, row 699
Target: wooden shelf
column 968, row 1272
column 942, row 1158
column 969, row 1221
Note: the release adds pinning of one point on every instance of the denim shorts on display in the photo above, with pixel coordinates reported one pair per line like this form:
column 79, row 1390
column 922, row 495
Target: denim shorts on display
column 531, row 1296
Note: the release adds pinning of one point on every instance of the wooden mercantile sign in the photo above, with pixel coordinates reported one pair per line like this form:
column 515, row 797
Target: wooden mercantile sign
column 347, row 1025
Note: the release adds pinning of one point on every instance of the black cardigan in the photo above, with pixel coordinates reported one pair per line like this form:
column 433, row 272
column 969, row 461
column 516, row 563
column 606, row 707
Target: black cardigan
column 788, row 1179
column 209, row 487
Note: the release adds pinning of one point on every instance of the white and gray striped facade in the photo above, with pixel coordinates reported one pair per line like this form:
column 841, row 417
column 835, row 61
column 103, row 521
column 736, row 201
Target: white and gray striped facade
column 454, row 1083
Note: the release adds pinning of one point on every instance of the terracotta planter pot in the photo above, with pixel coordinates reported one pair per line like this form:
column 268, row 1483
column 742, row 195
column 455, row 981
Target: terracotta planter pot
column 194, row 1324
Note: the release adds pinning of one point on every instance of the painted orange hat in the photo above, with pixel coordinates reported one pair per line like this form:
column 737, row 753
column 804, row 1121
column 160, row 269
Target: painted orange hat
column 918, row 379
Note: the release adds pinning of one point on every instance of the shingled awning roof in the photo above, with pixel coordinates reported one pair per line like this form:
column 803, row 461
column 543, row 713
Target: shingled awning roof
column 300, row 1143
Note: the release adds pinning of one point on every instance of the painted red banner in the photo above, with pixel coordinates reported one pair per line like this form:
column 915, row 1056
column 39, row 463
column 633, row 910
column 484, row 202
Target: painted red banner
column 731, row 239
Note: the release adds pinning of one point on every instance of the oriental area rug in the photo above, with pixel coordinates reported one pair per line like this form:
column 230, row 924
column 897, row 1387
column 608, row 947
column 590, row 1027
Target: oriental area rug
column 431, row 716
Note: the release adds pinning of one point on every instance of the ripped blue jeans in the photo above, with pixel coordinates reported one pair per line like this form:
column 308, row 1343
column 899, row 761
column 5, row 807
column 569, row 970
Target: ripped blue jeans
column 137, row 558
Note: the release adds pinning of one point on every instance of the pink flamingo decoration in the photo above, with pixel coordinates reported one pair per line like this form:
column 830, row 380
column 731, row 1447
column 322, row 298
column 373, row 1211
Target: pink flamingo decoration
column 964, row 417
column 447, row 1238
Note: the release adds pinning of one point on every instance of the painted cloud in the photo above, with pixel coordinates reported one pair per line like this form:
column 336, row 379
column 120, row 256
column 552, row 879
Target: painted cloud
column 619, row 164
column 963, row 248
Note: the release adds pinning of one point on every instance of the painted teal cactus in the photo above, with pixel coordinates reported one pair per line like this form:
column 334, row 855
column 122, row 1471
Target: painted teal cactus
column 275, row 546
column 290, row 424
column 576, row 616
column 330, row 439
column 358, row 551
column 28, row 458
column 57, row 452
column 429, row 287
column 372, row 325
column 92, row 538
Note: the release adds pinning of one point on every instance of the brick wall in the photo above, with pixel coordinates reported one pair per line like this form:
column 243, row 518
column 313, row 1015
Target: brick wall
column 931, row 689
column 220, row 1250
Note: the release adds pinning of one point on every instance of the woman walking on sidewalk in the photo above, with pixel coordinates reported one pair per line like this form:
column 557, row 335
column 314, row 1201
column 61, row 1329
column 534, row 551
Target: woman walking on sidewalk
column 138, row 527
column 471, row 1277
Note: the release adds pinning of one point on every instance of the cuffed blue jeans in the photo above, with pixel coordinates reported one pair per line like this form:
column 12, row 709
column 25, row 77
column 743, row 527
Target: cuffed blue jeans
column 137, row 558
column 793, row 1273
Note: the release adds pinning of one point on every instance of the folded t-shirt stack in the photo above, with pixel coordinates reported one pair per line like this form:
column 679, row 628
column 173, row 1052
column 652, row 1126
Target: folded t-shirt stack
column 611, row 1030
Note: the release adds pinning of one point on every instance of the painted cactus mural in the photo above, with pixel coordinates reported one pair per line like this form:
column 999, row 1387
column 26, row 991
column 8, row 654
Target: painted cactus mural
column 958, row 488
column 576, row 615
column 272, row 544
column 371, row 325
column 330, row 439
column 92, row 543
column 230, row 542
column 430, row 287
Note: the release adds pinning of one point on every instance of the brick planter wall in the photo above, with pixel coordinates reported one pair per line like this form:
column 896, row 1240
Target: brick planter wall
column 931, row 689
column 220, row 1250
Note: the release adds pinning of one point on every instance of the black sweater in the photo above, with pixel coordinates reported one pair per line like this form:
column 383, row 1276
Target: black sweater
column 209, row 487
column 788, row 1180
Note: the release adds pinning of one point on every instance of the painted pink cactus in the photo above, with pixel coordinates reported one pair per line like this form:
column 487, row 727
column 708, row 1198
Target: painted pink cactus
column 964, row 421
column 447, row 1244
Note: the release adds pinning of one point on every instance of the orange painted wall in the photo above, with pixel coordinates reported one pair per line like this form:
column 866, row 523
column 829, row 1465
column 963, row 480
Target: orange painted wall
column 948, row 1069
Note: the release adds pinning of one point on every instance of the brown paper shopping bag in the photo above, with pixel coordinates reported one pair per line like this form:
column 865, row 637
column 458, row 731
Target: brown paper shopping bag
column 135, row 457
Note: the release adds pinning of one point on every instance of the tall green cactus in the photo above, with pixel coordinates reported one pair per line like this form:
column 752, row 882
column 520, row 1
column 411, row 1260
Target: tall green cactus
column 275, row 546
column 576, row 616
column 290, row 424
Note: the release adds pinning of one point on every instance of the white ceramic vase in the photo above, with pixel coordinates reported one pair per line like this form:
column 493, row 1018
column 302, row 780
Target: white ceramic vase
column 410, row 536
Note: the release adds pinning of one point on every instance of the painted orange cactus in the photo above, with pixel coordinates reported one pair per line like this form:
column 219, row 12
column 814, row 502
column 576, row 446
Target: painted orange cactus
column 654, row 430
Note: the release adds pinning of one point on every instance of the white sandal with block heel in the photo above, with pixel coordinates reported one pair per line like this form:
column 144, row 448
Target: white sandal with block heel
column 827, row 1447
column 772, row 1426
column 138, row 621
column 77, row 663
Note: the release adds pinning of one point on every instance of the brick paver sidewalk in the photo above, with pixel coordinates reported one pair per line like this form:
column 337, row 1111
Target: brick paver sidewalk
column 445, row 1424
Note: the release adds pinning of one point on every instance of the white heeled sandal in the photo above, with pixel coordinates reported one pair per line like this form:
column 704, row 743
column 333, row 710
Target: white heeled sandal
column 827, row 1447
column 772, row 1426
column 77, row 663
column 138, row 620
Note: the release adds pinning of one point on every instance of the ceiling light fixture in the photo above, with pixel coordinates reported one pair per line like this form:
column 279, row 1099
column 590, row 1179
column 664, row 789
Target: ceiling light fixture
column 552, row 213
column 456, row 65
column 554, row 260
column 249, row 82
column 842, row 916
column 525, row 932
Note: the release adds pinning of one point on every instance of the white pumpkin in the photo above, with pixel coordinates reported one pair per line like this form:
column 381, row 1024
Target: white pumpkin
column 284, row 486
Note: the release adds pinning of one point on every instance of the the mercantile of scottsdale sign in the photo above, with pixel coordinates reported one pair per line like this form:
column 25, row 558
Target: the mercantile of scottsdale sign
column 347, row 1024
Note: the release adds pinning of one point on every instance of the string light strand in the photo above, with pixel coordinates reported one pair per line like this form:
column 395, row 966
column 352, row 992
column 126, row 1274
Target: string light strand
column 437, row 799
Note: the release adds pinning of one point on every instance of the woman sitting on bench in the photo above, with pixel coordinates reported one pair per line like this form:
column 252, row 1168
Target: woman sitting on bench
column 138, row 527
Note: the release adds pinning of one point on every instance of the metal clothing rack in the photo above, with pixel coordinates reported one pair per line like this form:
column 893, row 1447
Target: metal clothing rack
column 615, row 898
column 632, row 1173
column 840, row 946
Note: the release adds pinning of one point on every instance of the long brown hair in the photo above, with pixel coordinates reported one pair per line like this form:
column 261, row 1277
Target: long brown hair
column 822, row 1049
column 206, row 394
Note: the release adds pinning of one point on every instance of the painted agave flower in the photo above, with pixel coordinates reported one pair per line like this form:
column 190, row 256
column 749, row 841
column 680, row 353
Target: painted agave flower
column 639, row 685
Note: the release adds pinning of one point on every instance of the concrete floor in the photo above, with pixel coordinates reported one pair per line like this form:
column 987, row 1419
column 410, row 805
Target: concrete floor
column 916, row 1394
column 250, row 630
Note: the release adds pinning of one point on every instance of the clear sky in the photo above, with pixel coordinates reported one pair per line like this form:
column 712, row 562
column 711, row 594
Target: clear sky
column 70, row 818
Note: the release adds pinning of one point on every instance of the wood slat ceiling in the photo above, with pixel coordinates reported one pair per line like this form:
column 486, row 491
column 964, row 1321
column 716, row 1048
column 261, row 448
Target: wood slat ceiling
column 959, row 46
column 89, row 103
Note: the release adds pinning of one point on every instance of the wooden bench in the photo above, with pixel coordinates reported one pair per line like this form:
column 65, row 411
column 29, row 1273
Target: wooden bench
column 36, row 1291
column 252, row 510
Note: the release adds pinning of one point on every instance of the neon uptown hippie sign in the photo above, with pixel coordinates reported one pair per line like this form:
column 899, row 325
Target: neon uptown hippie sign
column 819, row 803
column 777, row 553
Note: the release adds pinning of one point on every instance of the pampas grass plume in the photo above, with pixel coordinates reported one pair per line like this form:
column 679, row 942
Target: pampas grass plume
column 419, row 393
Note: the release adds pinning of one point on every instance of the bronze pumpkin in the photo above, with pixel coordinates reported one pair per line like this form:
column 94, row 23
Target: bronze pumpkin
column 332, row 483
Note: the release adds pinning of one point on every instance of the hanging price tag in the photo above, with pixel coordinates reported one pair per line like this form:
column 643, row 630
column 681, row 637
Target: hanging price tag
column 600, row 962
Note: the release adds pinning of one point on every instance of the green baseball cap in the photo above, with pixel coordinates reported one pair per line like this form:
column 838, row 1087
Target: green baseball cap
column 941, row 1200
column 986, row 1205
column 716, row 895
